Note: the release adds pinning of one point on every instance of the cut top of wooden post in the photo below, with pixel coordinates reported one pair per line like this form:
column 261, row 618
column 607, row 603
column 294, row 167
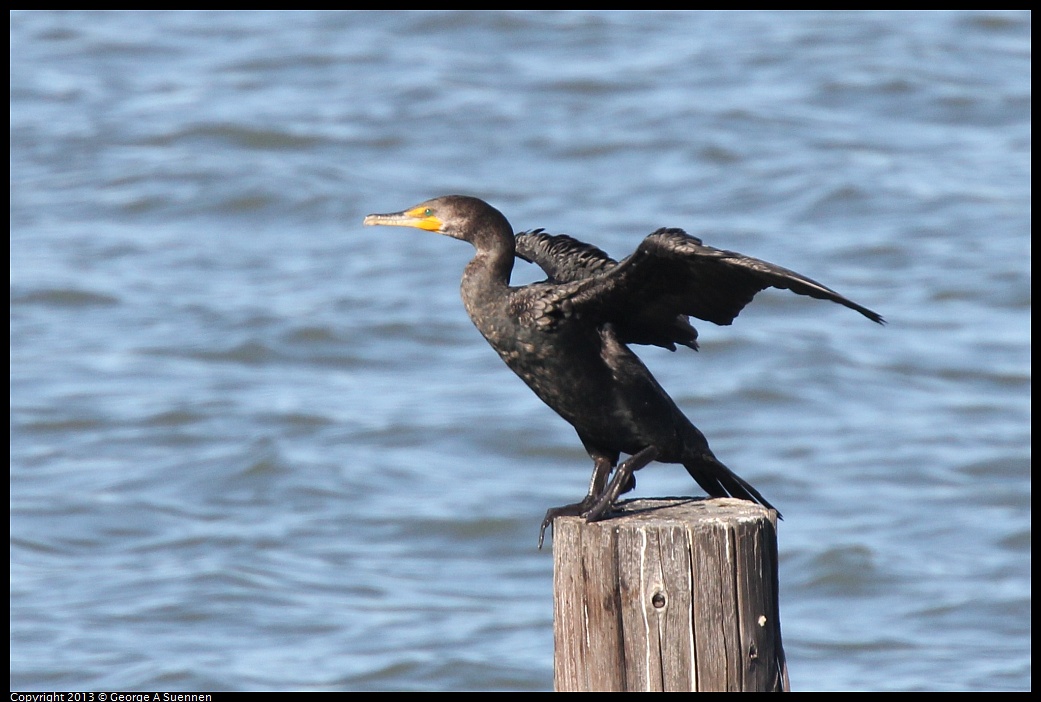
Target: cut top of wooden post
column 668, row 594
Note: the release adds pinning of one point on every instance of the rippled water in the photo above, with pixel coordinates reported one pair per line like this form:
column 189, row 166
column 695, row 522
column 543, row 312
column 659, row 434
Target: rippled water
column 256, row 446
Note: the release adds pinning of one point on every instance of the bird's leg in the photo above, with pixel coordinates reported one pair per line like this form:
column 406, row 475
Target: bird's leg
column 601, row 470
column 602, row 466
column 622, row 475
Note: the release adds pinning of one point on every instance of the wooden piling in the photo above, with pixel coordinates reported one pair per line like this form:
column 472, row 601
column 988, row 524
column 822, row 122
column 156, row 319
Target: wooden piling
column 668, row 595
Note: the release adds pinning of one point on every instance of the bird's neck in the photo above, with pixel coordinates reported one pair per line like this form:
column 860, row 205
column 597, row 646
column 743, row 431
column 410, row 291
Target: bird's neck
column 487, row 276
column 493, row 261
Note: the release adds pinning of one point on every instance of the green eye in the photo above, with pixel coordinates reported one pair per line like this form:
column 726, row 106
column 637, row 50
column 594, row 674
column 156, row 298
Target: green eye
column 427, row 212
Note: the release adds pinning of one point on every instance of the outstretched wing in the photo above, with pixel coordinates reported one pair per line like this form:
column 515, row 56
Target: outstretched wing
column 563, row 258
column 674, row 273
column 566, row 260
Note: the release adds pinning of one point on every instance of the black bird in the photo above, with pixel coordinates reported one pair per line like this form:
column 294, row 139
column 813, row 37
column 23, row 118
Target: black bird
column 567, row 337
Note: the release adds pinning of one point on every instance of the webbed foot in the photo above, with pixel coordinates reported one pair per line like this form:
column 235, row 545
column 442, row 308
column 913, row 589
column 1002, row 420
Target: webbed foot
column 593, row 507
column 573, row 510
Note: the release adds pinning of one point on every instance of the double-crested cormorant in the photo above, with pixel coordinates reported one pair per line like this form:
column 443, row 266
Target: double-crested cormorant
column 567, row 337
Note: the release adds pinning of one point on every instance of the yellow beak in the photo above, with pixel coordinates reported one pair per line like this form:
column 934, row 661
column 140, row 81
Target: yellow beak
column 418, row 217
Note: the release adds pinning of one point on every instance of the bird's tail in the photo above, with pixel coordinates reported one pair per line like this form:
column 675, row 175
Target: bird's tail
column 719, row 481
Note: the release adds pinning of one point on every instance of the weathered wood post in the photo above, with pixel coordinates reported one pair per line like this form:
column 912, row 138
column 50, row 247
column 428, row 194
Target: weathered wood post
column 670, row 594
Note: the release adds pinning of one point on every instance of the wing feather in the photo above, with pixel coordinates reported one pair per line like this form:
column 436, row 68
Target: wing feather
column 673, row 272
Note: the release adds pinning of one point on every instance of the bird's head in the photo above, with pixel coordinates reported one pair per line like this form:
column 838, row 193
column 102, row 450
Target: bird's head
column 457, row 216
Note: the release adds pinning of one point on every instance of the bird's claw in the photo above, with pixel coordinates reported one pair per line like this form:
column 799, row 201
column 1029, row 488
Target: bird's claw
column 578, row 509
